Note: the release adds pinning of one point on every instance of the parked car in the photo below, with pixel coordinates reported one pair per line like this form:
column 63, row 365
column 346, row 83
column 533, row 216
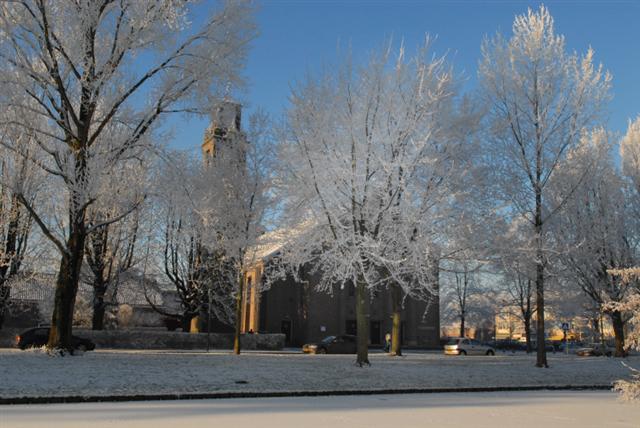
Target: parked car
column 595, row 350
column 36, row 337
column 343, row 344
column 466, row 346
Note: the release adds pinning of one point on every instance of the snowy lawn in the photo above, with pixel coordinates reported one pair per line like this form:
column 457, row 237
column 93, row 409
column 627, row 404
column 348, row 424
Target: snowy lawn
column 32, row 374
column 530, row 409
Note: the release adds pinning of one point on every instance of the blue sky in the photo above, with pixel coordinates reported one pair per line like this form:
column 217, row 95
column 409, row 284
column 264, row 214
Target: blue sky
column 298, row 36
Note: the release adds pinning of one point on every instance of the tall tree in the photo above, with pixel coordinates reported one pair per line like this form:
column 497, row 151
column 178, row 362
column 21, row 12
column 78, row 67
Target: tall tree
column 68, row 74
column 371, row 157
column 520, row 289
column 540, row 100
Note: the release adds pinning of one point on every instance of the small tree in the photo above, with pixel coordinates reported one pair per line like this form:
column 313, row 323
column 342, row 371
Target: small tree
column 190, row 260
column 518, row 272
column 462, row 286
column 520, row 289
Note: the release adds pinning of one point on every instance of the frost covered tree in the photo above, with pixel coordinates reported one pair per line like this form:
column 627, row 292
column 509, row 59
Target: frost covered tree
column 598, row 231
column 371, row 160
column 201, row 276
column 68, row 78
column 540, row 99
column 520, row 293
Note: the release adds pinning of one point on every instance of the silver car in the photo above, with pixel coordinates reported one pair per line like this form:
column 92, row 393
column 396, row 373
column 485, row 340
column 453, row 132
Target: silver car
column 466, row 346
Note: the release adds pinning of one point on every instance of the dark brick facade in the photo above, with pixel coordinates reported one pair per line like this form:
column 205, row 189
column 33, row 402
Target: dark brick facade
column 306, row 315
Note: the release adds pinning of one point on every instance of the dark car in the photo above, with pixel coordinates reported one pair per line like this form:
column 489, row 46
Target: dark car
column 508, row 345
column 343, row 344
column 37, row 337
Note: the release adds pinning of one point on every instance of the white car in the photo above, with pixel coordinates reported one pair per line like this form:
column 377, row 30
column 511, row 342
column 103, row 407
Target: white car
column 466, row 346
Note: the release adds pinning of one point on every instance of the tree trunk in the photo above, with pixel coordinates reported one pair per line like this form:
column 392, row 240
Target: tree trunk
column 462, row 324
column 66, row 289
column 396, row 335
column 236, row 336
column 618, row 331
column 541, row 355
column 527, row 332
column 99, row 290
column 362, row 323
column 72, row 256
column 185, row 321
column 5, row 292
column 97, row 319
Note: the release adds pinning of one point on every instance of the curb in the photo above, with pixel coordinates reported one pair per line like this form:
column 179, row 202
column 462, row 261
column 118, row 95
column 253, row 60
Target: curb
column 280, row 394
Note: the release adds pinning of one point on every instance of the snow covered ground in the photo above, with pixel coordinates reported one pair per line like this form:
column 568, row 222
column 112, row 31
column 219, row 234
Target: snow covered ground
column 32, row 374
column 530, row 409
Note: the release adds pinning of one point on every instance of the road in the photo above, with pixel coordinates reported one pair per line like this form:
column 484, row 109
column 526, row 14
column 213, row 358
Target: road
column 546, row 409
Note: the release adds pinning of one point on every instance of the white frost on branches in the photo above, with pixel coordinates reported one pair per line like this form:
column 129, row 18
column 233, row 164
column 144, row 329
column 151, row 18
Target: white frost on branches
column 373, row 157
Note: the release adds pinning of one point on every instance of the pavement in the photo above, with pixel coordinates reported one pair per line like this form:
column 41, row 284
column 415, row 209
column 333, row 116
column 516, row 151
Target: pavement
column 548, row 409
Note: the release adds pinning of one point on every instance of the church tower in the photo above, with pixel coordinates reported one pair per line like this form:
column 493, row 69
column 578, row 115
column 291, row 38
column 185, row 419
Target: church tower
column 223, row 136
